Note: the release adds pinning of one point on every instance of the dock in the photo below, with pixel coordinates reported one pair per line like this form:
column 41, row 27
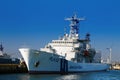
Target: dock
column 13, row 68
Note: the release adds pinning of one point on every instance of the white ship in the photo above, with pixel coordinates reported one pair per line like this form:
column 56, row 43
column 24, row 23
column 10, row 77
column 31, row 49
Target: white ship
column 69, row 54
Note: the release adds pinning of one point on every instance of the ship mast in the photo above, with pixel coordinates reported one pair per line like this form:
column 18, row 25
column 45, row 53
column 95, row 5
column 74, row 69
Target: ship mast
column 1, row 47
column 74, row 28
column 1, row 50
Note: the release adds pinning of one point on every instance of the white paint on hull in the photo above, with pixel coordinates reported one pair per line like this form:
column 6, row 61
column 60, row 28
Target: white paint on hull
column 49, row 62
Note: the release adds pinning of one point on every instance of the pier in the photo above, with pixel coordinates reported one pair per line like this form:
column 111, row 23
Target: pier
column 13, row 68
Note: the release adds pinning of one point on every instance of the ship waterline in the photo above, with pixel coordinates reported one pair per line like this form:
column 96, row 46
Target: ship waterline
column 68, row 54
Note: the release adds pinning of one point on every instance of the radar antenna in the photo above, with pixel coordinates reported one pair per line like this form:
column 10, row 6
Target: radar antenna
column 88, row 37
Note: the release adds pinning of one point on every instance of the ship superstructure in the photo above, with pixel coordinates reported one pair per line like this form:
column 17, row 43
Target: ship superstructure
column 6, row 59
column 70, row 46
column 67, row 54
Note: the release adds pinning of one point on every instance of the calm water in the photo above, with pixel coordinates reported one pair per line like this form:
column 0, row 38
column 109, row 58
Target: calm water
column 109, row 75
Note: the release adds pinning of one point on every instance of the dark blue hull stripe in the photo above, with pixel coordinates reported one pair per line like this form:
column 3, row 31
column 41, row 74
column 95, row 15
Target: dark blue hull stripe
column 59, row 72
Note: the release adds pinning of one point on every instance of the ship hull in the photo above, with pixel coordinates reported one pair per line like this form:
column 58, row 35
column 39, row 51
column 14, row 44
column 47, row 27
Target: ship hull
column 51, row 63
column 9, row 61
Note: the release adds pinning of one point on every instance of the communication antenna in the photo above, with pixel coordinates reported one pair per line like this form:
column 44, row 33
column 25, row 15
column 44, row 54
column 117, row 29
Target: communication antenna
column 74, row 28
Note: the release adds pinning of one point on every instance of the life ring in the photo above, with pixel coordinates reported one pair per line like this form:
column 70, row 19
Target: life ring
column 86, row 53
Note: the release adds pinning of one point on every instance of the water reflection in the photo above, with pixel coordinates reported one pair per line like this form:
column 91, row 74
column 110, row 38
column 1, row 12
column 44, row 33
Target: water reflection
column 109, row 75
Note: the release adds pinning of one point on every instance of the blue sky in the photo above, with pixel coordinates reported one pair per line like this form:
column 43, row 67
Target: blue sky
column 37, row 22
